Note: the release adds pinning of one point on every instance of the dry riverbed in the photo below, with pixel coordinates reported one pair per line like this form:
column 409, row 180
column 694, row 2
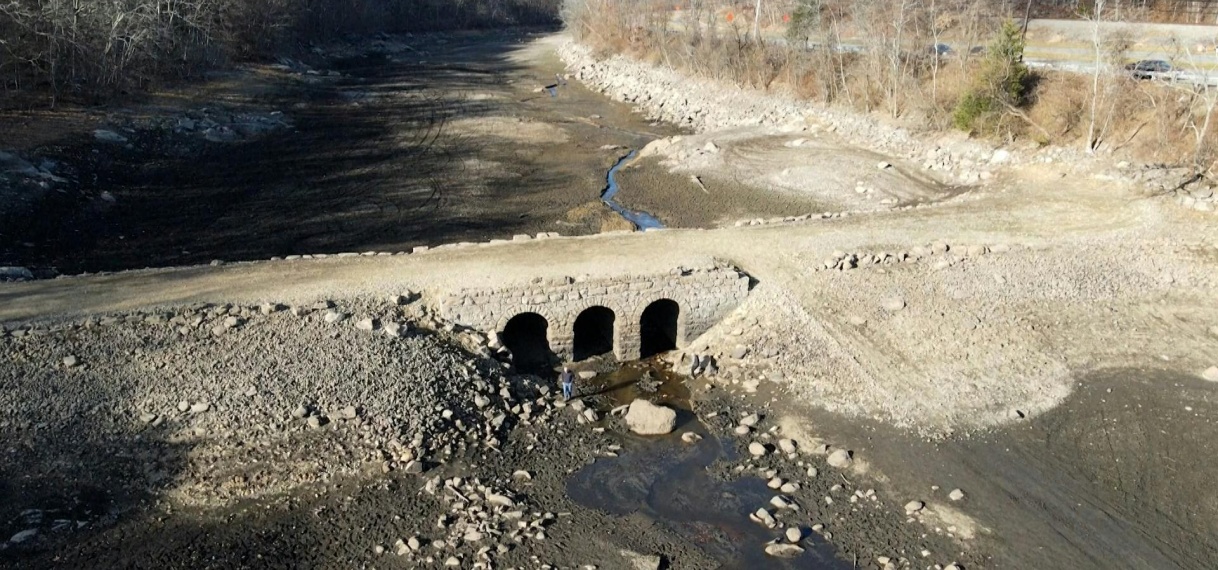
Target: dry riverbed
column 361, row 433
column 952, row 355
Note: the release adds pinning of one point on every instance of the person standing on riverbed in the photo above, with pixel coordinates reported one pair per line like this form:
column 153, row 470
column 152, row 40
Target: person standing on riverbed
column 568, row 383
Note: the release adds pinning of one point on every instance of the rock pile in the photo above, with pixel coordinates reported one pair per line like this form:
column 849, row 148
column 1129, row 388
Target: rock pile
column 25, row 181
column 793, row 473
column 210, row 124
column 707, row 106
column 480, row 523
column 263, row 377
column 944, row 254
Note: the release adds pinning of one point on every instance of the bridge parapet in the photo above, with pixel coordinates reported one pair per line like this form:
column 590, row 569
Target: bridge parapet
column 703, row 295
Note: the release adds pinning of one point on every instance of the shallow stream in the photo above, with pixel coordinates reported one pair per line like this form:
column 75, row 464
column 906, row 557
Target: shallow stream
column 670, row 481
column 641, row 220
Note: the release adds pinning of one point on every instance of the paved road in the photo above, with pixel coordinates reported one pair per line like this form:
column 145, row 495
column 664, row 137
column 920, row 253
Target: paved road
column 1066, row 45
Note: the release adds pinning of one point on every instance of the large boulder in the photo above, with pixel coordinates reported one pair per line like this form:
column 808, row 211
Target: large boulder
column 642, row 561
column 646, row 418
column 15, row 274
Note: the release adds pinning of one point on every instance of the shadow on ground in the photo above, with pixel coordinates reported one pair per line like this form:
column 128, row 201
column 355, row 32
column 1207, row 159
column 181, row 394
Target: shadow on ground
column 373, row 163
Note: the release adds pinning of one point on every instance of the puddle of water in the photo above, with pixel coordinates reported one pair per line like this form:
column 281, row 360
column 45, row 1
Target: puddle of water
column 641, row 220
column 620, row 385
column 667, row 480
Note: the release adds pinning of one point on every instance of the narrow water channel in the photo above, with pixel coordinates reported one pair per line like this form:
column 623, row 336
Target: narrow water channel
column 670, row 481
column 641, row 220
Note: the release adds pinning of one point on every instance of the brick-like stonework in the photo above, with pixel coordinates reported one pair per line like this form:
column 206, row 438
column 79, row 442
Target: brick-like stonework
column 705, row 296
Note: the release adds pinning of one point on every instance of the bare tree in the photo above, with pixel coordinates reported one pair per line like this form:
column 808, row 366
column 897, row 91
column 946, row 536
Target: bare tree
column 1198, row 87
column 1108, row 50
column 757, row 22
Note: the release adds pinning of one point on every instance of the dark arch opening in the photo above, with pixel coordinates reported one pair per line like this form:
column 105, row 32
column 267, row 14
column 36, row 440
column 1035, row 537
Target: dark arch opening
column 593, row 332
column 658, row 327
column 525, row 335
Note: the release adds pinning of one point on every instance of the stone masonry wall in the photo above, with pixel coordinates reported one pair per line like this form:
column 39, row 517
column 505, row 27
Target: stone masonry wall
column 704, row 295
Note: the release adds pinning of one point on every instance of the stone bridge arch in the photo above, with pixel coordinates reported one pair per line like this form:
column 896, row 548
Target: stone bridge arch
column 527, row 335
column 679, row 305
column 660, row 328
column 594, row 332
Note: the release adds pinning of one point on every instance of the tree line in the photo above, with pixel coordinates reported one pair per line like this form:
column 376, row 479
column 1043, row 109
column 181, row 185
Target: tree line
column 930, row 64
column 52, row 49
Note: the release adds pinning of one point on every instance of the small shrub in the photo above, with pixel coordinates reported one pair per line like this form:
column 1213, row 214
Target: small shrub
column 1001, row 82
column 971, row 110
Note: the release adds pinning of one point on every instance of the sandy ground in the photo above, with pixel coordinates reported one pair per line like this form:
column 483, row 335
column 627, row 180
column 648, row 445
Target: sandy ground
column 984, row 365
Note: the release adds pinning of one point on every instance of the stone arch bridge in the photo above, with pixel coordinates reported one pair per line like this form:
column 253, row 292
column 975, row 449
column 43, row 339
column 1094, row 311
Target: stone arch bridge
column 631, row 316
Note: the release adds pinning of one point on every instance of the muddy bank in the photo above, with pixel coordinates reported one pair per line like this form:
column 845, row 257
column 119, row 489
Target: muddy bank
column 1118, row 476
column 680, row 202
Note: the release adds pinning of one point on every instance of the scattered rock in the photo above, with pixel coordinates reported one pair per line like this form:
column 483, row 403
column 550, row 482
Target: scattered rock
column 764, row 517
column 646, row 418
column 757, row 449
column 794, row 534
column 500, row 500
column 913, row 507
column 782, row 503
column 334, row 317
column 1211, row 374
column 71, row 361
column 366, row 324
column 642, row 561
column 107, row 136
column 690, row 437
column 956, row 495
column 15, row 274
column 894, row 304
column 840, row 459
column 23, row 536
column 199, row 407
column 781, row 550
column 787, row 445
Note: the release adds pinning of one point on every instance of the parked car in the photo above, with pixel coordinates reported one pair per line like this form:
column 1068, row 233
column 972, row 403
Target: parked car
column 1151, row 69
column 941, row 50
